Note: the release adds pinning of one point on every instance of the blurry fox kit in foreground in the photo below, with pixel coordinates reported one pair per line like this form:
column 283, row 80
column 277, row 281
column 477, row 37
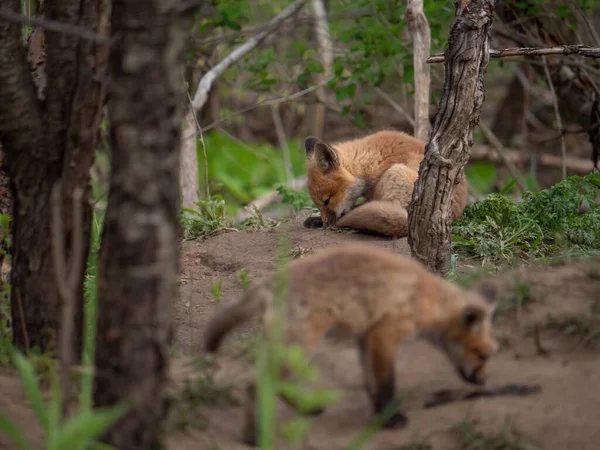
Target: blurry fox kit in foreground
column 382, row 168
column 378, row 299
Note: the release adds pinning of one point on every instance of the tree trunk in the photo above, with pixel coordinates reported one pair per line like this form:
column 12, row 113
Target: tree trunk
column 188, row 170
column 447, row 152
column 44, row 145
column 138, row 261
column 421, row 36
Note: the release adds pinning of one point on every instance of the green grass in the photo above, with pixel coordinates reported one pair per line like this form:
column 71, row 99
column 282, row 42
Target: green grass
column 240, row 173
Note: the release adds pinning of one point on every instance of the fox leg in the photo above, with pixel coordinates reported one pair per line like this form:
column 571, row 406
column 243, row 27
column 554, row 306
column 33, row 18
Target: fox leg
column 297, row 335
column 386, row 213
column 377, row 349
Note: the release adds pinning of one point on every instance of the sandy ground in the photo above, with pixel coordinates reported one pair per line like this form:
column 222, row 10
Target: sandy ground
column 562, row 415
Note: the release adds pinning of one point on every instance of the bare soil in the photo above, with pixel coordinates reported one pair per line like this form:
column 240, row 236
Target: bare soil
column 563, row 361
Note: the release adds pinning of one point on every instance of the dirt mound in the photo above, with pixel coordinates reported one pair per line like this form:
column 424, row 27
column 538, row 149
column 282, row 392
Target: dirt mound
column 548, row 324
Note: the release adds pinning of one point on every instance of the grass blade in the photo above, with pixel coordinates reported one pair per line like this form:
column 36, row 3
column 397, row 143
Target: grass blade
column 31, row 387
column 13, row 432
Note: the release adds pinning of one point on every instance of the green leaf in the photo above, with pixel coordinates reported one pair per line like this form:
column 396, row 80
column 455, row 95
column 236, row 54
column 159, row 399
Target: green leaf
column 53, row 429
column 481, row 177
column 13, row 432
column 81, row 430
column 31, row 387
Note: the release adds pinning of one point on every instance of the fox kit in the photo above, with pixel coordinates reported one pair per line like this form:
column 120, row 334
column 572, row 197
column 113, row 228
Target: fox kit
column 378, row 299
column 381, row 167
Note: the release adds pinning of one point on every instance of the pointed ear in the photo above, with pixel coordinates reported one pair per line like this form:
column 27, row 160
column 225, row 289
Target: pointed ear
column 472, row 315
column 309, row 145
column 489, row 293
column 326, row 156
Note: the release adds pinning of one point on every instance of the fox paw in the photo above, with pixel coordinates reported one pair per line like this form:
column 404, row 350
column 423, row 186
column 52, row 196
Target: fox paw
column 398, row 420
column 313, row 222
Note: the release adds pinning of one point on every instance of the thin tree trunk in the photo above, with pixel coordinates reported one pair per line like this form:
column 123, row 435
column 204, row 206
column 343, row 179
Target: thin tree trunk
column 447, row 152
column 138, row 261
column 188, row 170
column 421, row 36
column 326, row 53
column 42, row 146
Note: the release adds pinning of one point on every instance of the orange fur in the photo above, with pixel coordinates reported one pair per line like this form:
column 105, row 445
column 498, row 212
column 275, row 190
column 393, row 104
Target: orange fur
column 382, row 168
column 377, row 298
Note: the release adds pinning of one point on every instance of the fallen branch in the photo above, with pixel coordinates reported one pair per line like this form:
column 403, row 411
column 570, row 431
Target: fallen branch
column 582, row 50
column 575, row 165
column 207, row 80
column 269, row 198
column 54, row 25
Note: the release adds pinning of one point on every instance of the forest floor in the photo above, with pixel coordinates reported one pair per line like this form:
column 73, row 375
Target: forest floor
column 561, row 300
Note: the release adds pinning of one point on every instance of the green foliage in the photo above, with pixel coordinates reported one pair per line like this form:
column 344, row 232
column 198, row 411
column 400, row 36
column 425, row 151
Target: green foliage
column 78, row 432
column 239, row 173
column 296, row 199
column 208, row 218
column 541, row 224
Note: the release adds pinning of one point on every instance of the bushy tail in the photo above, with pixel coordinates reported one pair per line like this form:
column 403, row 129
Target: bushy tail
column 251, row 303
column 383, row 217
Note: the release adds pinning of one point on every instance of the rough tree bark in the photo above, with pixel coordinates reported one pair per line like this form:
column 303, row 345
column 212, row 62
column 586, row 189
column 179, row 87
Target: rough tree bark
column 45, row 142
column 138, row 261
column 449, row 147
column 421, row 36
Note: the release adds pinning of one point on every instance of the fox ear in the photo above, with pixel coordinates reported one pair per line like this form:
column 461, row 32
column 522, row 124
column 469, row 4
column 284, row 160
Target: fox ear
column 489, row 292
column 326, row 156
column 309, row 145
column 471, row 316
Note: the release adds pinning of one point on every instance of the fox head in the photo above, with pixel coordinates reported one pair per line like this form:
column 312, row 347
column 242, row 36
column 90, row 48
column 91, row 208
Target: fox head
column 331, row 187
column 467, row 340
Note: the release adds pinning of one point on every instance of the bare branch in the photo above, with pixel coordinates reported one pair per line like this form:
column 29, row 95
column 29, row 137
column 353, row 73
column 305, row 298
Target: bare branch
column 207, row 80
column 421, row 36
column 575, row 165
column 199, row 130
column 53, row 25
column 563, row 144
column 285, row 149
column 588, row 52
column 399, row 109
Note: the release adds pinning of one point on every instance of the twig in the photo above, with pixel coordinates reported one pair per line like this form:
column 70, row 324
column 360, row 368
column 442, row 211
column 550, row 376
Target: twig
column 563, row 144
column 285, row 149
column 399, row 109
column 207, row 80
column 54, row 25
column 588, row 52
column 268, row 102
column 199, row 129
column 495, row 142
column 67, row 283
column 421, row 37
